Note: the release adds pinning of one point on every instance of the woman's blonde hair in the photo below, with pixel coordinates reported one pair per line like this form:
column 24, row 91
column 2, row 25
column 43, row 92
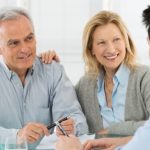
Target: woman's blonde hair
column 92, row 66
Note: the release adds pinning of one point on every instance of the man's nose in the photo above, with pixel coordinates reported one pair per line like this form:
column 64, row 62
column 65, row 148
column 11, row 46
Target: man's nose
column 24, row 47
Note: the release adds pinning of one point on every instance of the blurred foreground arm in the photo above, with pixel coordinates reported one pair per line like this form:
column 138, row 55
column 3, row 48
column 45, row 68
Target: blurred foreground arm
column 68, row 143
column 73, row 143
column 106, row 143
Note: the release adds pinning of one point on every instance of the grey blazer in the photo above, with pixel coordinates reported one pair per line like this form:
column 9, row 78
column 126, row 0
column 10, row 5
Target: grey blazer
column 137, row 104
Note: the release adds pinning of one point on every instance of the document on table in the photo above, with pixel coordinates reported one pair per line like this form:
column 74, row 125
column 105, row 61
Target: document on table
column 48, row 142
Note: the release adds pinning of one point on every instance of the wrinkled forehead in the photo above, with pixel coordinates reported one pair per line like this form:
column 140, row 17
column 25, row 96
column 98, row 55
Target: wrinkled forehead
column 15, row 19
column 15, row 28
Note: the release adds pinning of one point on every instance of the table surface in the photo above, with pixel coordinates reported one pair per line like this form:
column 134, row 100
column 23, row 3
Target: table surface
column 97, row 136
column 2, row 147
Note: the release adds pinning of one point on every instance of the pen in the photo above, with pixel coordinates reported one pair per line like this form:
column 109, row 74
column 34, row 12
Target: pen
column 61, row 129
column 54, row 124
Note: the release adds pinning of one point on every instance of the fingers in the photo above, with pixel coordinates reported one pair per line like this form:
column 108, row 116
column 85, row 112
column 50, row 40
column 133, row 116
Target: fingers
column 103, row 143
column 60, row 144
column 48, row 56
column 42, row 129
column 30, row 139
column 51, row 56
column 88, row 145
column 57, row 58
column 69, row 121
column 110, row 148
column 68, row 143
column 97, row 143
column 33, row 132
column 68, row 126
column 59, row 133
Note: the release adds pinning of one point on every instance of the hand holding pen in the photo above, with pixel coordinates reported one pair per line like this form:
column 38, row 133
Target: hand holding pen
column 61, row 128
column 65, row 126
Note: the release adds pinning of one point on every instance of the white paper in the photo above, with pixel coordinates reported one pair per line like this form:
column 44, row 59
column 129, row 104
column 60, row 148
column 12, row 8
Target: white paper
column 48, row 142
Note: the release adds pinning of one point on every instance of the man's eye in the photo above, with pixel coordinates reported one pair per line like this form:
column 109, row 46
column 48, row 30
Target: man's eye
column 30, row 38
column 13, row 43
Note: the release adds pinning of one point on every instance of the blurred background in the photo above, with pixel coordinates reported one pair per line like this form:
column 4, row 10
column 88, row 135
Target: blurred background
column 59, row 25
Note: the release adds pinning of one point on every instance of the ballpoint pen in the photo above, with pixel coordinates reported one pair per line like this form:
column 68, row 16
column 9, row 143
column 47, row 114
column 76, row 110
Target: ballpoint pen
column 61, row 128
column 59, row 121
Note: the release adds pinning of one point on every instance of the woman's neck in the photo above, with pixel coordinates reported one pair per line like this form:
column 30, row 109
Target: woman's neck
column 109, row 74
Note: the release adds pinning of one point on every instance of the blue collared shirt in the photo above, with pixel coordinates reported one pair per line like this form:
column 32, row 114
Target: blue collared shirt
column 141, row 139
column 47, row 96
column 116, row 113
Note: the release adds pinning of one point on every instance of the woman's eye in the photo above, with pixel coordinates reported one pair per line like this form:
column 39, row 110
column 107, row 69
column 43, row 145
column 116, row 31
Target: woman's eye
column 117, row 39
column 101, row 43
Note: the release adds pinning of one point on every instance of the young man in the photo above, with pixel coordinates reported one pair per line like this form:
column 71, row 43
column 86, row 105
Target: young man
column 32, row 94
column 140, row 141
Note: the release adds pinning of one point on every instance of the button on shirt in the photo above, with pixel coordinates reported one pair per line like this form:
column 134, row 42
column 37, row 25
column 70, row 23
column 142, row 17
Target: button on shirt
column 116, row 113
column 46, row 96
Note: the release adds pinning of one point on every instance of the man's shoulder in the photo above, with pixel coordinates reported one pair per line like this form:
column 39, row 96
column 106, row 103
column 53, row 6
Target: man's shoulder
column 52, row 65
column 53, row 69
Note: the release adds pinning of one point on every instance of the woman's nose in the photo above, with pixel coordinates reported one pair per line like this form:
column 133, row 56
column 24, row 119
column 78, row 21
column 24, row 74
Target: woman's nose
column 110, row 47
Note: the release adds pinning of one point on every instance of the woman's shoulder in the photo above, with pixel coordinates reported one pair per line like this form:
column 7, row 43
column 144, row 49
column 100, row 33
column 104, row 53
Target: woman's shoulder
column 141, row 69
column 140, row 72
column 88, row 78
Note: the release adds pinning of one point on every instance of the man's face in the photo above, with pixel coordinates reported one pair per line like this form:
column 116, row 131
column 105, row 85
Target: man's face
column 17, row 44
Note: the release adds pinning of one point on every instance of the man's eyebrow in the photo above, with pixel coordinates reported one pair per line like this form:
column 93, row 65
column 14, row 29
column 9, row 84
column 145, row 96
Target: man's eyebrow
column 30, row 34
column 12, row 40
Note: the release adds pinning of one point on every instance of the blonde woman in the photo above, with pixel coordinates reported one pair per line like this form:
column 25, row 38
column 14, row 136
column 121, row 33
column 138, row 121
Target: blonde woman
column 139, row 141
column 114, row 92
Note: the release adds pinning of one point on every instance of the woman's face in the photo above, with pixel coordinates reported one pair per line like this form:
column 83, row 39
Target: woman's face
column 109, row 46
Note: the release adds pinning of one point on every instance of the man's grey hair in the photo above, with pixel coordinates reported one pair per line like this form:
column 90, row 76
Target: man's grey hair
column 13, row 13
